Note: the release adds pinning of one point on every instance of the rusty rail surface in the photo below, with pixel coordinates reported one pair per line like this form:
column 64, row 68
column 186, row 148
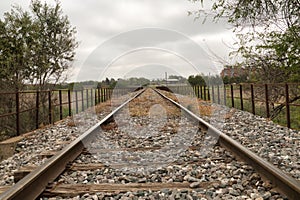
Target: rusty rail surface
column 283, row 183
column 32, row 185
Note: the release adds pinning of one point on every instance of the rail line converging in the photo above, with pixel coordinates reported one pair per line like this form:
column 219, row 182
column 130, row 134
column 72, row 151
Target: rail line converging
column 170, row 160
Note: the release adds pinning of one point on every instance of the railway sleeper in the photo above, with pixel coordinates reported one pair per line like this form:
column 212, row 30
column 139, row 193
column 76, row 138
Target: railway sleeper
column 71, row 190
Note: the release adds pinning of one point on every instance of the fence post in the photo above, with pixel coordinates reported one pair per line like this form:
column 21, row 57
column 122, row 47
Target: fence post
column 252, row 99
column 213, row 93
column 87, row 98
column 201, row 92
column 287, row 104
column 95, row 96
column 109, row 93
column 241, row 96
column 37, row 109
column 76, row 101
column 70, row 102
column 49, row 107
column 99, row 97
column 60, row 105
column 92, row 98
column 82, row 100
column 208, row 93
column 18, row 113
column 225, row 100
column 194, row 90
column 218, row 90
column 267, row 100
column 232, row 95
column 102, row 98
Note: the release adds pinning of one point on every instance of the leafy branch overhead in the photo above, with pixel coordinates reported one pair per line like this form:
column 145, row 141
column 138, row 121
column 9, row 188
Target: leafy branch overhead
column 268, row 33
column 37, row 46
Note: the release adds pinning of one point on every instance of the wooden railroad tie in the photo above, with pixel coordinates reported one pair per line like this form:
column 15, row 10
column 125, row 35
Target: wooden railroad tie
column 69, row 190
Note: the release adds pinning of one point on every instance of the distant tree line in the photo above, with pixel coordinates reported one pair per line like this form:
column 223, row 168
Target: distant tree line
column 204, row 80
column 106, row 83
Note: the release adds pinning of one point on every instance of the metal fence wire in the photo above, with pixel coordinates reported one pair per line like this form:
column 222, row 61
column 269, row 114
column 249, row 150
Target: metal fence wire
column 24, row 111
column 278, row 102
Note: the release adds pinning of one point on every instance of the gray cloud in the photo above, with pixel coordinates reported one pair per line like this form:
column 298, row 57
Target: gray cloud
column 99, row 21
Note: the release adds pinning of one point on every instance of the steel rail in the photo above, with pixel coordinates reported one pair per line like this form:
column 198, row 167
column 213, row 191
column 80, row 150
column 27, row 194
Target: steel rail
column 32, row 185
column 281, row 181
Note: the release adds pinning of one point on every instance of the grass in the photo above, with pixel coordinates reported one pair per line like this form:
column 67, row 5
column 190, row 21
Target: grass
column 260, row 110
column 294, row 118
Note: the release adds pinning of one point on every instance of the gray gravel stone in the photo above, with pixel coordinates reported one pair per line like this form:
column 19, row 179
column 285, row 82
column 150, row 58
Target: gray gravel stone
column 226, row 177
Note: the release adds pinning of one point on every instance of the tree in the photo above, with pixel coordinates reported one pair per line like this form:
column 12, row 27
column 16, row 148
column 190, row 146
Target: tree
column 196, row 80
column 275, row 56
column 17, row 33
column 268, row 33
column 269, row 39
column 36, row 47
column 56, row 43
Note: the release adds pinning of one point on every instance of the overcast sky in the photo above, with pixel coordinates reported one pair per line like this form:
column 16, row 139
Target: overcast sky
column 124, row 38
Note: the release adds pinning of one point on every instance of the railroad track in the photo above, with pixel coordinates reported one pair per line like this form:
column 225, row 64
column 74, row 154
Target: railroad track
column 50, row 178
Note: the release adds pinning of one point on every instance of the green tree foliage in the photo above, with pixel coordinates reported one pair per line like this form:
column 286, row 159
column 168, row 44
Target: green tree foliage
column 107, row 83
column 269, row 36
column 132, row 82
column 205, row 80
column 274, row 57
column 196, row 80
column 36, row 47
column 17, row 33
column 235, row 79
column 56, row 45
column 269, row 40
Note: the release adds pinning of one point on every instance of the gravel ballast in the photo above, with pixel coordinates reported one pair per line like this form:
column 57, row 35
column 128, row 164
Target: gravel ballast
column 210, row 171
